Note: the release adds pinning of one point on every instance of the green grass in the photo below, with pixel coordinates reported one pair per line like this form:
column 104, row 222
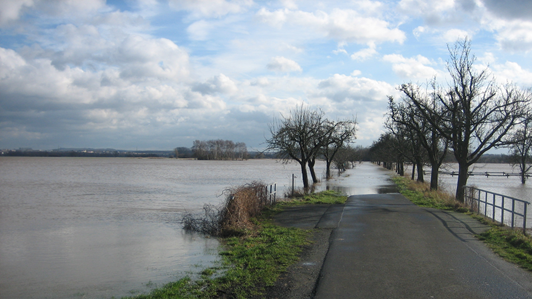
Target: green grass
column 249, row 264
column 324, row 197
column 512, row 245
column 419, row 194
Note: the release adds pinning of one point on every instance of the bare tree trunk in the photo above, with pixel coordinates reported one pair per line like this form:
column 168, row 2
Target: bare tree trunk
column 461, row 182
column 434, row 177
column 328, row 166
column 311, row 164
column 304, row 174
column 420, row 172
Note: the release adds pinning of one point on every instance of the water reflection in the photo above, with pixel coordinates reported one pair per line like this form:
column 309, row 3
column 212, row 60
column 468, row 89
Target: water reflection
column 365, row 178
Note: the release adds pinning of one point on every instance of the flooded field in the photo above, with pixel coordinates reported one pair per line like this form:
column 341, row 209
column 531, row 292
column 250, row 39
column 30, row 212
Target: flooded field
column 103, row 227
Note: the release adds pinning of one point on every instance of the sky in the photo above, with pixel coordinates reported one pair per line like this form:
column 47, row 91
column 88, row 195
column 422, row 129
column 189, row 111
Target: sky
column 156, row 75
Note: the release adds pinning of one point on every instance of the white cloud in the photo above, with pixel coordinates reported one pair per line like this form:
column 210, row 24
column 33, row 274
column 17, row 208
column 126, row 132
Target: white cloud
column 434, row 12
column 143, row 59
column 282, row 64
column 418, row 31
column 365, row 54
column 487, row 58
column 294, row 48
column 452, row 35
column 511, row 72
column 411, row 68
column 515, row 36
column 340, row 50
column 261, row 81
column 342, row 25
column 342, row 89
column 510, row 21
column 199, row 30
column 210, row 8
column 10, row 9
column 217, row 84
column 290, row 4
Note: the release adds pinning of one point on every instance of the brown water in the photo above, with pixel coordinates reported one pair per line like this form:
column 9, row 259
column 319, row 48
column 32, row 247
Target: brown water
column 103, row 227
column 508, row 186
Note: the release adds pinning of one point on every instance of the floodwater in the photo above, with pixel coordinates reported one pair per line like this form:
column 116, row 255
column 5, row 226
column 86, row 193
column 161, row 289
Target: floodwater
column 104, row 227
column 364, row 178
column 508, row 186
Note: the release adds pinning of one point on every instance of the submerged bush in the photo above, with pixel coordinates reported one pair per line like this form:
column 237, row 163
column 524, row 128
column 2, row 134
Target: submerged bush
column 234, row 215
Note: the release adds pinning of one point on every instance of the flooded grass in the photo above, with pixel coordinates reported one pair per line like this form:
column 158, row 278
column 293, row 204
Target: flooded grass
column 250, row 261
column 249, row 264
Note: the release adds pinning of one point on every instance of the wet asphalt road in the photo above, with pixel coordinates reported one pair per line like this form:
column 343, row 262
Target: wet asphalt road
column 386, row 247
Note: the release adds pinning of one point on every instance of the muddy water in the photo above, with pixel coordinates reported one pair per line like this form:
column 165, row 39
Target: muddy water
column 103, row 227
column 508, row 186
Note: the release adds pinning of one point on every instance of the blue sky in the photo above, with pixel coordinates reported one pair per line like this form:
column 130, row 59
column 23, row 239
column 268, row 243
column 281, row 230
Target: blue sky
column 153, row 74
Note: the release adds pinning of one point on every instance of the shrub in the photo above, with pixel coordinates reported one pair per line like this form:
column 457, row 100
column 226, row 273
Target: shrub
column 234, row 216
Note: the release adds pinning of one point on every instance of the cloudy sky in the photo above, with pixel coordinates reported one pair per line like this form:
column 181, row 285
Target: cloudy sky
column 152, row 74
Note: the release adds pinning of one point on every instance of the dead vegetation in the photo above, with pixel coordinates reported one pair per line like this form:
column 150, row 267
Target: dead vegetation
column 233, row 216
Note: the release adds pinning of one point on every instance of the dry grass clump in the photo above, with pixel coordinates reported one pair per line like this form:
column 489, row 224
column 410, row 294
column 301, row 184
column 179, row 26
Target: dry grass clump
column 242, row 204
column 234, row 216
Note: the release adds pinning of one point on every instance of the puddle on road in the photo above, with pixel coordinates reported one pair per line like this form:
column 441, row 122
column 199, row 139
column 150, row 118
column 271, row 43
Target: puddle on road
column 365, row 178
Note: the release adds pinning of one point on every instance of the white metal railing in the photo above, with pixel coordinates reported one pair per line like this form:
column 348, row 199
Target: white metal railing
column 501, row 208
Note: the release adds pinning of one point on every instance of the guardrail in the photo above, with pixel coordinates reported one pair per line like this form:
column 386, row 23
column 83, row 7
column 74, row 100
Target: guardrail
column 484, row 173
column 498, row 207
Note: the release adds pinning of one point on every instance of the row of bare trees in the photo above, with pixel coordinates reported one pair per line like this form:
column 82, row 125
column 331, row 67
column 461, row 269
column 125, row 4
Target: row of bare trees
column 219, row 150
column 469, row 117
column 306, row 135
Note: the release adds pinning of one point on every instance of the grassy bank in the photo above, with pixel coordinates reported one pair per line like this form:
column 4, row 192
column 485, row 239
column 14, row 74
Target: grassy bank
column 510, row 244
column 251, row 261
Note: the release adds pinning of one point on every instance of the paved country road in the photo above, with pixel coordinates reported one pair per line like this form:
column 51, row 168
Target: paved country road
column 387, row 247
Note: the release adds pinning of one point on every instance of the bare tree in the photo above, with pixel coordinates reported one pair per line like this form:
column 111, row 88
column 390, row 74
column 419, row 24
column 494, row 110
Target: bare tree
column 383, row 150
column 297, row 136
column 520, row 149
column 338, row 134
column 241, row 151
column 476, row 114
column 405, row 114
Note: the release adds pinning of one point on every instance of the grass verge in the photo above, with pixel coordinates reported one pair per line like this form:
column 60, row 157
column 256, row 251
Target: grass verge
column 324, row 197
column 512, row 245
column 252, row 260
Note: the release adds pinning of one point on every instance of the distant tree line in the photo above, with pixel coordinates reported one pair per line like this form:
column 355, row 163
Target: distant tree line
column 83, row 153
column 469, row 117
column 219, row 150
